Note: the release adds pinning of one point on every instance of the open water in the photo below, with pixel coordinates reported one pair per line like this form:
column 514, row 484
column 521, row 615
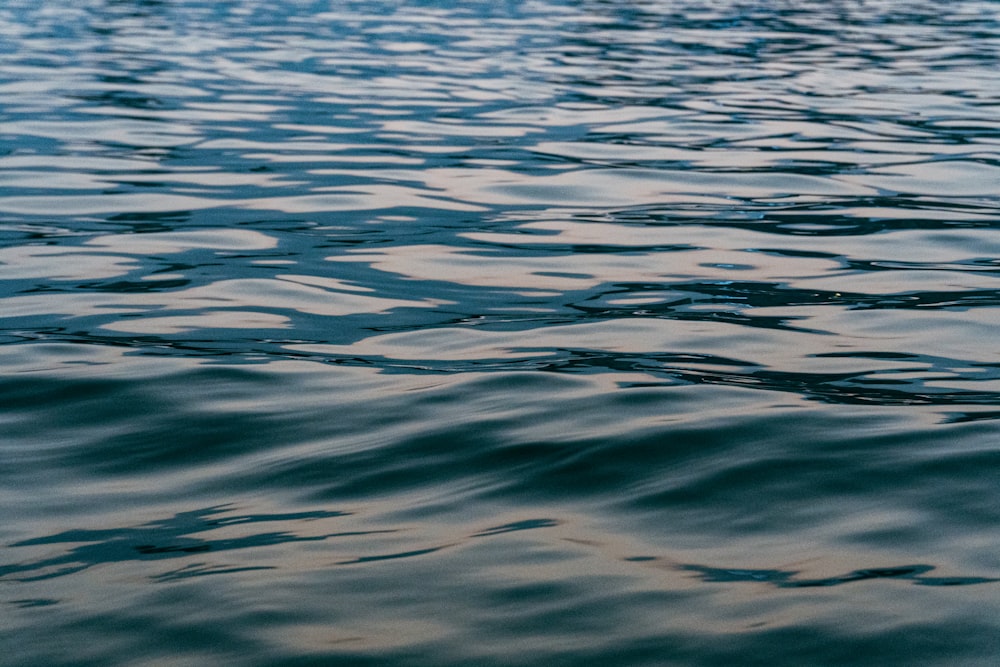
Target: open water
column 542, row 332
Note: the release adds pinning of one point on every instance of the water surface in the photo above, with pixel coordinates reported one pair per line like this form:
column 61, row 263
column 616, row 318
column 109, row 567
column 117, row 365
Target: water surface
column 560, row 332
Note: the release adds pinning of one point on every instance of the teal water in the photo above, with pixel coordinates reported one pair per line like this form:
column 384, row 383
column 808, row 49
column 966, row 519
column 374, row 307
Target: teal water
column 565, row 332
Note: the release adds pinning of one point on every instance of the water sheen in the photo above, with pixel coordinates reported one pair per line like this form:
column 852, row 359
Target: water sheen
column 550, row 332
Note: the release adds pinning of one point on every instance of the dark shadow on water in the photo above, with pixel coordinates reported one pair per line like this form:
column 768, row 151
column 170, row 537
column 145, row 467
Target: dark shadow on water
column 786, row 578
column 169, row 538
column 963, row 417
column 528, row 524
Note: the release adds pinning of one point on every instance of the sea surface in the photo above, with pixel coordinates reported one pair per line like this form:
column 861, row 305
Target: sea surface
column 510, row 333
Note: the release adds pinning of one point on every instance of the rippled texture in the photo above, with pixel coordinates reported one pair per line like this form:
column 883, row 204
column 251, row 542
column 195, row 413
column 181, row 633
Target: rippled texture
column 563, row 332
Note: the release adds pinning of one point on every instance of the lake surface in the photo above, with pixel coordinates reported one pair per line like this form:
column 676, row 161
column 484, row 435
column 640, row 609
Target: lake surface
column 555, row 332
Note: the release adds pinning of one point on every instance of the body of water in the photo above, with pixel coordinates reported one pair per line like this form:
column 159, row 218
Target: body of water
column 555, row 332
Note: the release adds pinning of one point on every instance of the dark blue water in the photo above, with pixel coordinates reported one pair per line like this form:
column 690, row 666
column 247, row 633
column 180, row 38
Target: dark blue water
column 555, row 332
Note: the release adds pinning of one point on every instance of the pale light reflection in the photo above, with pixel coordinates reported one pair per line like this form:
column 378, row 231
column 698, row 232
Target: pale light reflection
column 212, row 298
column 225, row 319
column 60, row 263
column 570, row 271
column 180, row 241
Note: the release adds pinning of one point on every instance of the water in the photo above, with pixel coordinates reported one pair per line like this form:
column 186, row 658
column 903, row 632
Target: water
column 565, row 332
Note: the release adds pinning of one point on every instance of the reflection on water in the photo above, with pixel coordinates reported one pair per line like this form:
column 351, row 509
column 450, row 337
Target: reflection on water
column 616, row 332
column 783, row 579
column 166, row 539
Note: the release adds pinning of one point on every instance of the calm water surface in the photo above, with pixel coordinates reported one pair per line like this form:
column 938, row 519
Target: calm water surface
column 554, row 332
